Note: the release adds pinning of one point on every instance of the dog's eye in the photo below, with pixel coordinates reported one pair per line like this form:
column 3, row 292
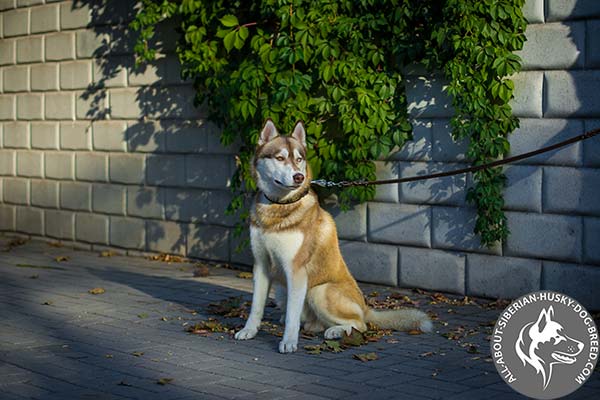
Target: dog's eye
column 279, row 158
column 299, row 160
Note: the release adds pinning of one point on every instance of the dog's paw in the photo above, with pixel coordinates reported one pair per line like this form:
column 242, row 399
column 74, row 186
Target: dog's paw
column 246, row 333
column 288, row 346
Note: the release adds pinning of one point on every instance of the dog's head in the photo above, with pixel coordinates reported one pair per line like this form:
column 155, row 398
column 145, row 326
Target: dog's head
column 544, row 343
column 279, row 166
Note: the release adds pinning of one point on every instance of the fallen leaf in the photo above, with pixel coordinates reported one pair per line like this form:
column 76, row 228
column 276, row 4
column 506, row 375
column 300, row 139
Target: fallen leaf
column 374, row 294
column 168, row 258
column 164, row 319
column 364, row 357
column 142, row 315
column 415, row 332
column 164, row 381
column 47, row 303
column 333, row 346
column 206, row 327
column 108, row 356
column 232, row 307
column 137, row 353
column 61, row 258
column 55, row 244
column 245, row 275
column 427, row 354
column 123, row 383
column 355, row 339
column 201, row 271
column 473, row 349
column 107, row 253
column 313, row 349
column 97, row 290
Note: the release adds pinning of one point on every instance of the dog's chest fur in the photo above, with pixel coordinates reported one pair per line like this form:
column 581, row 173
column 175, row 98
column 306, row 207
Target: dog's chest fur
column 281, row 248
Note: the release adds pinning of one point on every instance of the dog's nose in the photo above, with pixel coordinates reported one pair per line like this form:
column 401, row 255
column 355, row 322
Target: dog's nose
column 298, row 178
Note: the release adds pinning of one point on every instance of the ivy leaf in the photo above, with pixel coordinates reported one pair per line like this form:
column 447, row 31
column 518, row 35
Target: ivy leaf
column 229, row 20
column 229, row 40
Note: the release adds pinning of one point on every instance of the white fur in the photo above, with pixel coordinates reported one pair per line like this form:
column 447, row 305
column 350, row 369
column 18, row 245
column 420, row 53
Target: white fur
column 270, row 171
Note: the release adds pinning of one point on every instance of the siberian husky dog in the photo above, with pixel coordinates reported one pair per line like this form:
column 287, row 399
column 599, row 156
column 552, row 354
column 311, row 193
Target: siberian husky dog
column 295, row 246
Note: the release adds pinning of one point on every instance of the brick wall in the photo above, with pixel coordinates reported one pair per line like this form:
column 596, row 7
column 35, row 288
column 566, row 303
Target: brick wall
column 97, row 153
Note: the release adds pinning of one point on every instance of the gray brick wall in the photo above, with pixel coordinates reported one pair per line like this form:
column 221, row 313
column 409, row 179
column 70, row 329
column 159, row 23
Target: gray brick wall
column 97, row 151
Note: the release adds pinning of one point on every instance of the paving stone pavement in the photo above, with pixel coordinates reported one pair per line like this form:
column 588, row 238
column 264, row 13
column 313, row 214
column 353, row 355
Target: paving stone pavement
column 58, row 341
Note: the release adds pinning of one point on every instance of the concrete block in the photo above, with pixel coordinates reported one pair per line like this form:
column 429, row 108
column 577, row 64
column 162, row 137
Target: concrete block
column 8, row 53
column 91, row 167
column 592, row 50
column 420, row 146
column 8, row 164
column 167, row 170
column 519, row 276
column 208, row 171
column 76, row 196
column 163, row 71
column 571, row 190
column 536, row 133
column 44, row 193
column 44, row 77
column 209, row 242
column 571, row 94
column 7, row 218
column 75, row 135
column 581, row 282
column 91, row 43
column 91, row 228
column 59, row 165
column 109, row 135
column 75, row 75
column 16, row 79
column 453, row 228
column 146, row 137
column 425, row 97
column 527, row 101
column 386, row 170
column 218, row 200
column 74, row 15
column 185, row 137
column 27, row 3
column 449, row 190
column 186, row 205
column 16, row 135
column 30, row 163
column 92, row 106
column 60, row 105
column 129, row 233
column 127, row 168
column 432, row 269
column 591, row 234
column 60, row 224
column 213, row 138
column 30, row 106
column 445, row 148
column 240, row 252
column 7, row 4
column 145, row 202
column 44, row 19
column 125, row 104
column 368, row 262
column 166, row 237
column 559, row 10
column 556, row 237
column 554, row 46
column 16, row 22
column 15, row 191
column 110, row 71
column 399, row 224
column 60, row 46
column 108, row 199
column 351, row 224
column 30, row 49
column 160, row 103
column 30, row 220
column 8, row 107
column 44, row 135
column 533, row 10
column 523, row 190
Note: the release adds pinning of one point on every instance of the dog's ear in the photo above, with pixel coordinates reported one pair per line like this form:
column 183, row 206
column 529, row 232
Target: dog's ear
column 268, row 133
column 299, row 133
column 544, row 318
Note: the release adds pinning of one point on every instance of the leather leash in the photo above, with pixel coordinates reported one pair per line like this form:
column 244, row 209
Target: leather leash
column 343, row 184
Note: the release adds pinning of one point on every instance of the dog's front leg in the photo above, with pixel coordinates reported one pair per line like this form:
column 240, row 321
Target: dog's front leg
column 259, row 298
column 297, row 282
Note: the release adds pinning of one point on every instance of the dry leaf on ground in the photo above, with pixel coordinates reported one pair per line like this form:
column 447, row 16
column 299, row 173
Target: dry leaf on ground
column 245, row 275
column 61, row 258
column 106, row 253
column 201, row 271
column 137, row 353
column 97, row 290
column 164, row 381
column 364, row 357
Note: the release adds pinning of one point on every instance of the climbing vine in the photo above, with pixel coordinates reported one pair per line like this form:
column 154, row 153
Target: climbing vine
column 338, row 65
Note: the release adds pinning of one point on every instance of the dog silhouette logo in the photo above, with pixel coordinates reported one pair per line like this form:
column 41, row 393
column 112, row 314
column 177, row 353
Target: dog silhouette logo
column 545, row 345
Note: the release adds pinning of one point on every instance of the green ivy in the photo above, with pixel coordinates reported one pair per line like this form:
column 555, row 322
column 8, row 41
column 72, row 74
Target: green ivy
column 338, row 66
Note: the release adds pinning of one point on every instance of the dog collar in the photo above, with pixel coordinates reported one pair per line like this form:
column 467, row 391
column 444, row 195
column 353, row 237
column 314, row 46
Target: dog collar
column 291, row 200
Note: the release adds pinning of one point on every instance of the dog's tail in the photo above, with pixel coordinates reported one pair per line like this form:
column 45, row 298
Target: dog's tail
column 404, row 319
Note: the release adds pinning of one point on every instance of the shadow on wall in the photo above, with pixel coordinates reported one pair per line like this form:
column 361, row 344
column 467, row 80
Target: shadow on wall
column 176, row 170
